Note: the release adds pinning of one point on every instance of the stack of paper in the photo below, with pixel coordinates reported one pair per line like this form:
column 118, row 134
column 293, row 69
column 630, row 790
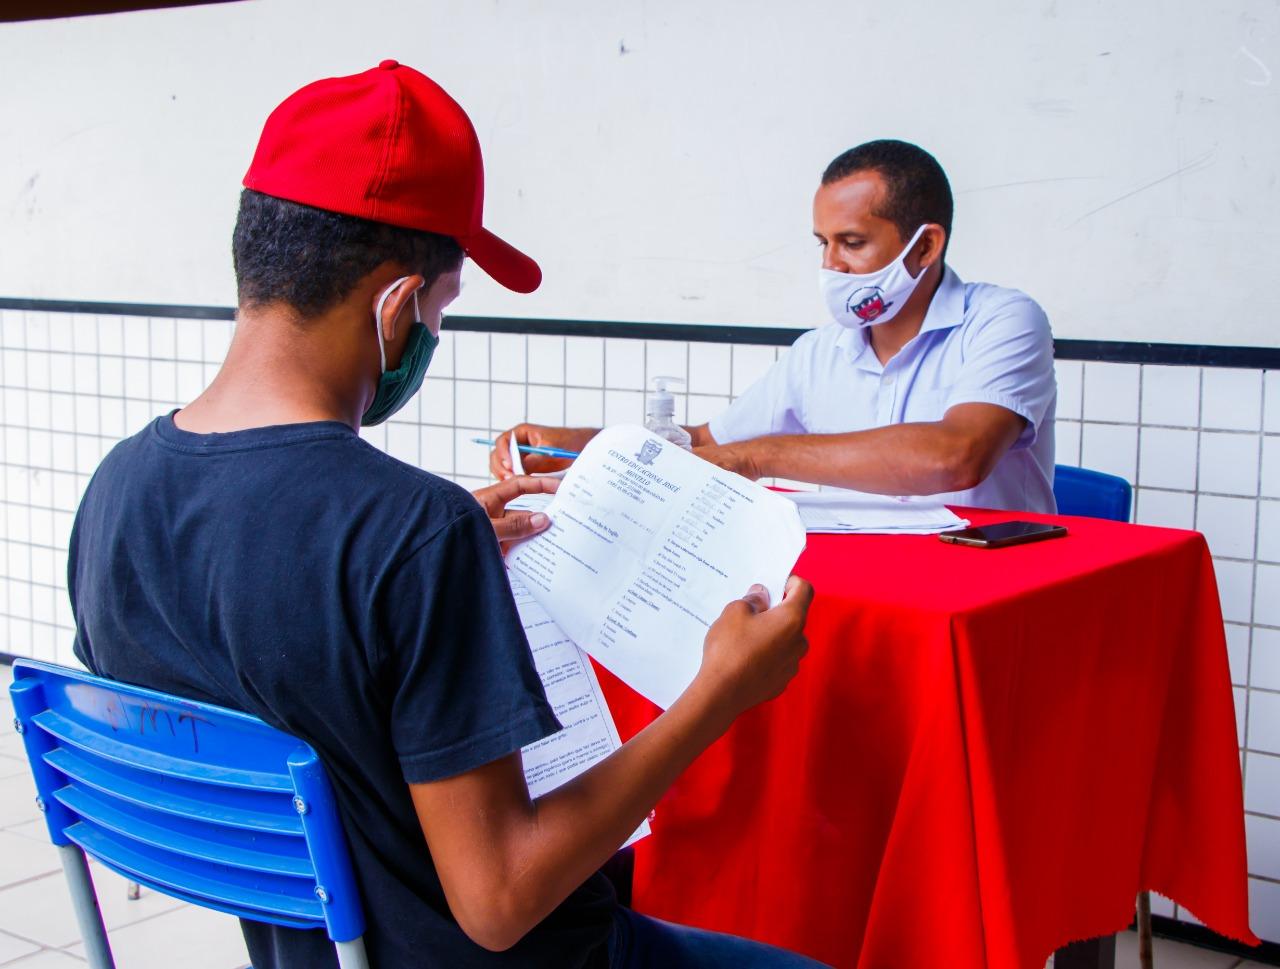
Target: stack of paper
column 839, row 512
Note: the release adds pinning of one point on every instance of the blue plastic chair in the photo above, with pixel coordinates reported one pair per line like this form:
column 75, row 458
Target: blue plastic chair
column 1091, row 494
column 206, row 804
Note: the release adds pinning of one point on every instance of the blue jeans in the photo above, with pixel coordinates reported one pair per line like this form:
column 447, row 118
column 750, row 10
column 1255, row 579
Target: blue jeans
column 639, row 942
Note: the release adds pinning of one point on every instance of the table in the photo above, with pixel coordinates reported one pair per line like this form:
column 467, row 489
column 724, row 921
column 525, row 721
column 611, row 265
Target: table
column 986, row 755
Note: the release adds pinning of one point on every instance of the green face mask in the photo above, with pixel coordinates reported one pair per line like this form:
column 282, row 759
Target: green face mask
column 397, row 387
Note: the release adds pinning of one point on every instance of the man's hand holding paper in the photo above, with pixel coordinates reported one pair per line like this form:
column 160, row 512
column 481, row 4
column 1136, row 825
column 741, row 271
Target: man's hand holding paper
column 646, row 545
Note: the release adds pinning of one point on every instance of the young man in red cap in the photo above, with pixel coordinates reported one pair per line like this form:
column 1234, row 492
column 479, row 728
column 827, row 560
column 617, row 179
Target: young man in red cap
column 250, row 550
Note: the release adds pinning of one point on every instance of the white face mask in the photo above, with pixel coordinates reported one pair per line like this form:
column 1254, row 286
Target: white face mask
column 865, row 299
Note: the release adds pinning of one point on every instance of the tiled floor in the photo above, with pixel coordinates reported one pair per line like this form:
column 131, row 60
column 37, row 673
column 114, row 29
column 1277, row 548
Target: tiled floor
column 1174, row 955
column 38, row 929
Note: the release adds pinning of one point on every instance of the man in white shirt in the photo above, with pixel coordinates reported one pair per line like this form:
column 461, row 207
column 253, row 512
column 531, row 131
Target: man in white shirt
column 921, row 385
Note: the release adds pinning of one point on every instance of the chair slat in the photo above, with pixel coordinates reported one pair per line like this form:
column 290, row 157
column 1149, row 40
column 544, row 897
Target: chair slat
column 171, row 799
column 199, row 880
column 219, row 844
column 69, row 732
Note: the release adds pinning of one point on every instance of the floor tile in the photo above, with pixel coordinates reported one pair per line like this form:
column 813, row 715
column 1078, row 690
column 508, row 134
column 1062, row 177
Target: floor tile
column 23, row 858
column 41, row 910
column 10, row 742
column 9, row 766
column 33, row 830
column 194, row 938
column 1170, row 955
column 17, row 799
column 49, row 959
column 12, row 948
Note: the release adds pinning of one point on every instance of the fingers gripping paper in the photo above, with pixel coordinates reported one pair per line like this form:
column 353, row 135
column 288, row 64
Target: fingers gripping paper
column 647, row 545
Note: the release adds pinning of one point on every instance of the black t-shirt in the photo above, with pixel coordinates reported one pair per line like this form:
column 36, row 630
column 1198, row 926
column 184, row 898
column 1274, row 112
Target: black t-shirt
column 300, row 574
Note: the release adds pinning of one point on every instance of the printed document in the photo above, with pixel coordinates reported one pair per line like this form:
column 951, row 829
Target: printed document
column 589, row 733
column 647, row 545
column 839, row 512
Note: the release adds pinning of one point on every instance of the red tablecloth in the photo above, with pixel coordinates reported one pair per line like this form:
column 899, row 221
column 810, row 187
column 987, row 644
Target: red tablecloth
column 986, row 755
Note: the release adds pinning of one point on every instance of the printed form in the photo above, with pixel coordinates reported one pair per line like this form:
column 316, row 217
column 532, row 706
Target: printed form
column 647, row 544
column 589, row 734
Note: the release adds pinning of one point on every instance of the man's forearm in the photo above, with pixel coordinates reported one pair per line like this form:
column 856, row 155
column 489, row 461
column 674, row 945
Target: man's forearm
column 578, row 826
column 524, row 857
column 925, row 458
column 900, row 459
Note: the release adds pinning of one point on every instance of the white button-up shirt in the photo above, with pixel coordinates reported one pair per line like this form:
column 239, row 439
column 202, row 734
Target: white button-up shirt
column 978, row 344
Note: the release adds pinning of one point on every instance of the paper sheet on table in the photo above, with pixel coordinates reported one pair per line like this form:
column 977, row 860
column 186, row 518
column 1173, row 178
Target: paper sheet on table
column 646, row 546
column 857, row 512
column 589, row 733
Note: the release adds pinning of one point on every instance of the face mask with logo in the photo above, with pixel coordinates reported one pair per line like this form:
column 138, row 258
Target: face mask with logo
column 397, row 387
column 857, row 300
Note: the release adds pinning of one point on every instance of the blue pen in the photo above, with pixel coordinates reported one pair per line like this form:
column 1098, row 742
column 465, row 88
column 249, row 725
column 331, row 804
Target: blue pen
column 546, row 452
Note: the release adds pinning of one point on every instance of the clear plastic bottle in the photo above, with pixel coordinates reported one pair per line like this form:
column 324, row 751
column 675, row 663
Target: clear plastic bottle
column 660, row 414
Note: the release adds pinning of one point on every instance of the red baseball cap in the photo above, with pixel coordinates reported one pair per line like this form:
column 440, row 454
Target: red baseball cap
column 388, row 145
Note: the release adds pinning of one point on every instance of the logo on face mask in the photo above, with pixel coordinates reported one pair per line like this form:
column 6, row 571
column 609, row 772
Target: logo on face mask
column 648, row 451
column 868, row 304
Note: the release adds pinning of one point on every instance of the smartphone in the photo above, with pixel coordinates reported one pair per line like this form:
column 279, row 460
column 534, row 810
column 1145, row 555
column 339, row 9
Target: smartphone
column 1003, row 534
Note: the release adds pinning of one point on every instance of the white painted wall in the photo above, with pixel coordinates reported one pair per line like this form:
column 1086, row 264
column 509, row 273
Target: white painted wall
column 1117, row 160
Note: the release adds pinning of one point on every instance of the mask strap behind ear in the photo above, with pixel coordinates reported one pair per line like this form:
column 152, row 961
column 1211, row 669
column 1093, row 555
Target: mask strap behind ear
column 377, row 317
column 911, row 245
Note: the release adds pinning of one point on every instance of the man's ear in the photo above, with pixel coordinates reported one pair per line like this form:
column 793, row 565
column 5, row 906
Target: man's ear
column 400, row 297
column 934, row 238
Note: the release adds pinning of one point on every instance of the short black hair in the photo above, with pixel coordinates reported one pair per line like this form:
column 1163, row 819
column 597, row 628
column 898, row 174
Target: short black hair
column 916, row 187
column 312, row 259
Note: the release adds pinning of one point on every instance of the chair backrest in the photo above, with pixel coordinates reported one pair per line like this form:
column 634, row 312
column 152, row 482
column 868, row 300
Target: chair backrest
column 206, row 804
column 1091, row 494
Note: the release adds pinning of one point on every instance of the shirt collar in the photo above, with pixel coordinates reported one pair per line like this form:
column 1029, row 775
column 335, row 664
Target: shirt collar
column 946, row 310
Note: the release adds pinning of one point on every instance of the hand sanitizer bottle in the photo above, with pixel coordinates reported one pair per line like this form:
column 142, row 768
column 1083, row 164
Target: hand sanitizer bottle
column 660, row 414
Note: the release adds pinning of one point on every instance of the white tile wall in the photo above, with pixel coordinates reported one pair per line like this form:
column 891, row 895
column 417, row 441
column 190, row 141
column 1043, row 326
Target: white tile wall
column 1070, row 376
column 1202, row 445
column 1112, row 448
column 1167, row 458
column 1231, row 399
column 1264, row 668
column 1171, row 395
column 1170, row 509
column 1111, row 392
column 1229, row 462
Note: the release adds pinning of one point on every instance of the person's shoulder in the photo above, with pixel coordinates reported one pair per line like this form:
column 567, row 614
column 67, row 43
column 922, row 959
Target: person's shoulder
column 990, row 309
column 411, row 508
column 816, row 342
column 130, row 453
column 983, row 301
column 405, row 482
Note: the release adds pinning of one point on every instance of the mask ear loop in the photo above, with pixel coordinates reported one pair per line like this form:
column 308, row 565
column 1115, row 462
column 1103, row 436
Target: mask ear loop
column 911, row 245
column 377, row 318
